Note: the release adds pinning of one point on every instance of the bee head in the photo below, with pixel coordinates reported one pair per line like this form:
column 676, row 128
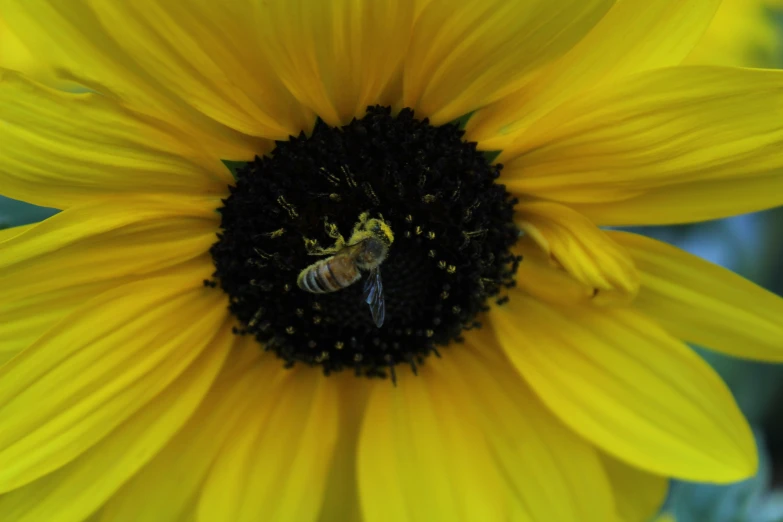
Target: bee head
column 379, row 229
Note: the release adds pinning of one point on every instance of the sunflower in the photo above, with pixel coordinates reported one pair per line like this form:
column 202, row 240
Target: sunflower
column 743, row 33
column 164, row 363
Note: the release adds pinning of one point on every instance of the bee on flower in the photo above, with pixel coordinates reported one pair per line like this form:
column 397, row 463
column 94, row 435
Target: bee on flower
column 166, row 356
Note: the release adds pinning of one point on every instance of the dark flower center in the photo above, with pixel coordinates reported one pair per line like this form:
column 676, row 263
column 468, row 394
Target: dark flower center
column 452, row 231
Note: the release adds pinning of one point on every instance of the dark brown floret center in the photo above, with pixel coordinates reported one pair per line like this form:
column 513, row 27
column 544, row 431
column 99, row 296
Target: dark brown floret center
column 453, row 231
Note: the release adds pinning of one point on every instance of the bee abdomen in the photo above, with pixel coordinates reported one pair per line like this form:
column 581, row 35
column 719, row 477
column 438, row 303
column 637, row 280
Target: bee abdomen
column 328, row 275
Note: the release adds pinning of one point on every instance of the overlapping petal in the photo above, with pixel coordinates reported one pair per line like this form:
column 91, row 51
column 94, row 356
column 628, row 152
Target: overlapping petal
column 14, row 55
column 623, row 383
column 8, row 233
column 151, row 495
column 106, row 239
column 634, row 36
column 73, row 492
column 419, row 460
column 552, row 472
column 341, row 497
column 638, row 495
column 659, row 130
column 60, row 149
column 54, row 267
column 89, row 374
column 540, row 276
column 688, row 202
column 336, row 57
column 467, row 54
column 208, row 55
column 277, row 459
column 195, row 64
column 583, row 250
column 703, row 303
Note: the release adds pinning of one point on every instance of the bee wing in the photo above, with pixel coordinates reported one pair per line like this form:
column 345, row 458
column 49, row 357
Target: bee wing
column 373, row 296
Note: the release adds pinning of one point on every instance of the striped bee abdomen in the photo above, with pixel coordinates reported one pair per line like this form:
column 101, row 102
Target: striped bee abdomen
column 328, row 275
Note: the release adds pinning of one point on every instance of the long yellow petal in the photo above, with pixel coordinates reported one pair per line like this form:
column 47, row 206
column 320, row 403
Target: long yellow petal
column 60, row 149
column 26, row 319
column 89, row 374
column 554, row 474
column 55, row 266
column 341, row 497
column 638, row 495
column 106, row 239
column 634, row 36
column 8, row 233
column 469, row 53
column 688, row 202
column 195, row 63
column 208, row 54
column 421, row 458
column 623, row 383
column 338, row 56
column 703, row 303
column 167, row 488
column 581, row 248
column 78, row 489
column 655, row 130
column 277, row 460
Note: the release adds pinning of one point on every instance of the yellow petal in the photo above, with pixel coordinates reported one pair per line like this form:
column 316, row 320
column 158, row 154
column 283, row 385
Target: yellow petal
column 336, row 57
column 688, row 202
column 54, row 266
column 638, row 495
column 15, row 56
column 168, row 486
column 659, row 129
column 60, row 149
column 25, row 319
column 553, row 473
column 423, row 458
column 703, row 303
column 8, row 233
column 196, row 64
column 540, row 276
column 10, row 346
column 89, row 374
column 208, row 55
column 469, row 53
column 276, row 461
column 742, row 34
column 623, row 383
column 74, row 491
column 581, row 248
column 635, row 35
column 341, row 497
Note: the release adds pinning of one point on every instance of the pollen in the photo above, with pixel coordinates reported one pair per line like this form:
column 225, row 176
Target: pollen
column 450, row 255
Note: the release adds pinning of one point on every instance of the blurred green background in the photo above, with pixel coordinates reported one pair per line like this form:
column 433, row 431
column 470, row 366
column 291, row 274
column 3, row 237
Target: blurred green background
column 747, row 32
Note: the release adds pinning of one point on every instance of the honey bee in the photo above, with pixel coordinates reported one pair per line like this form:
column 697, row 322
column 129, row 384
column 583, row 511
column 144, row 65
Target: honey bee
column 365, row 250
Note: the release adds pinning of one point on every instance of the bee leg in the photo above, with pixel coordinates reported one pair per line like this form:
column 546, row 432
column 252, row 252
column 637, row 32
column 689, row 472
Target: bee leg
column 333, row 232
column 363, row 217
column 314, row 249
